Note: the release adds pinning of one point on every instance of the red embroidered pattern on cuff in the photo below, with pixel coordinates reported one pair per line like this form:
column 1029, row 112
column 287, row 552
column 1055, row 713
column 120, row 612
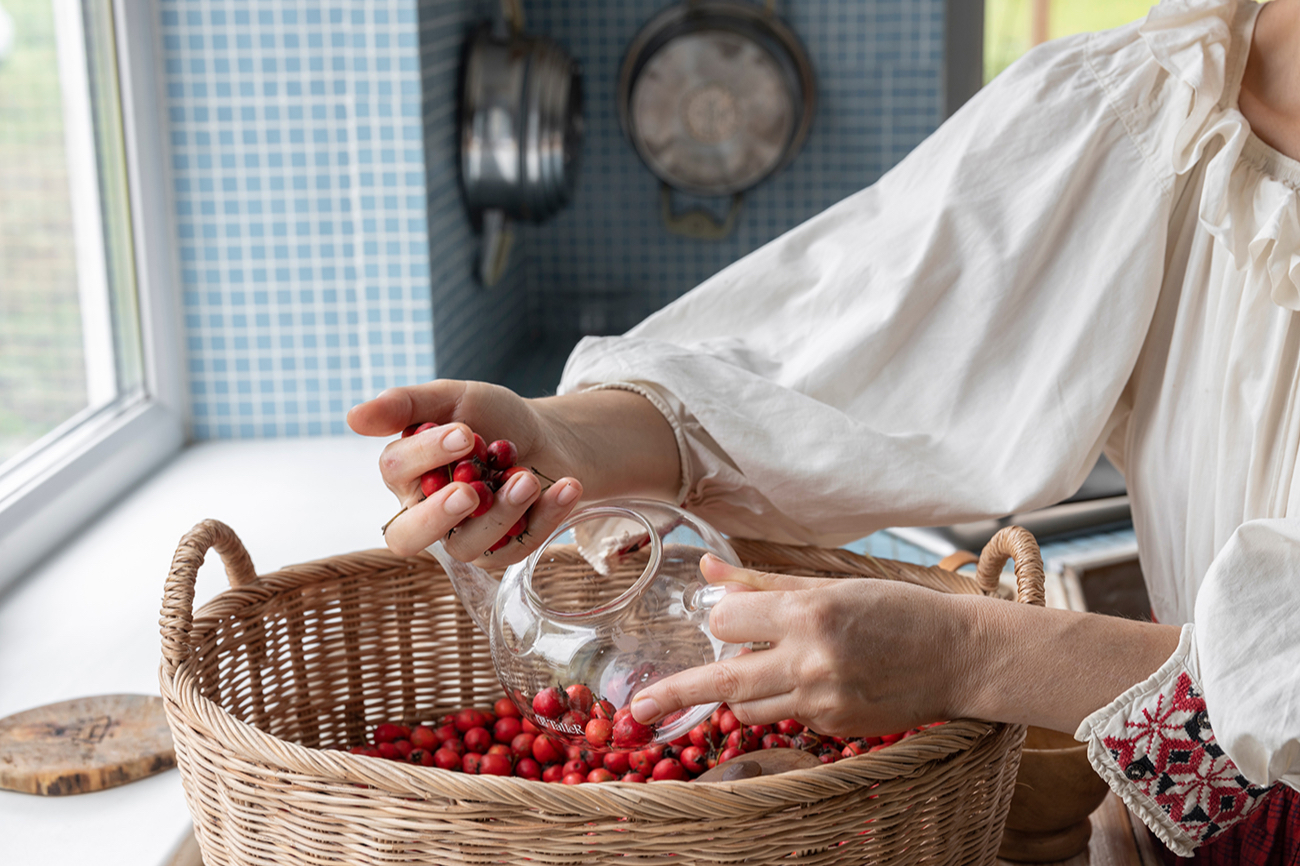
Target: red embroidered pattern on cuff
column 1171, row 756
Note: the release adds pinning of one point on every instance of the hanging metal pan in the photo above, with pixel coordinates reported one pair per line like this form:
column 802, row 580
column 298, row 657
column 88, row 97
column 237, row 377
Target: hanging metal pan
column 716, row 96
column 520, row 136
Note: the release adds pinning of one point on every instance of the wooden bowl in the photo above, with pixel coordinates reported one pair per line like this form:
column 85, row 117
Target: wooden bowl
column 1056, row 790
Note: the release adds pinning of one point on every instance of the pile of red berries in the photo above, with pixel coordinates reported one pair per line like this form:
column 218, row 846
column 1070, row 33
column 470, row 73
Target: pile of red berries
column 576, row 712
column 499, row 742
column 485, row 469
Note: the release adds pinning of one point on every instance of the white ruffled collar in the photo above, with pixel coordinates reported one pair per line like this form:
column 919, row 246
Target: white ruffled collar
column 1250, row 201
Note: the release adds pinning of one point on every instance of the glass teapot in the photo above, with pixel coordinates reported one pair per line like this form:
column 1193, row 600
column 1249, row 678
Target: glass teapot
column 612, row 601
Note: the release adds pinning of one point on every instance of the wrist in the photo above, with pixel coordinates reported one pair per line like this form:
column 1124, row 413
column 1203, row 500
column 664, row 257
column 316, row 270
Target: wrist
column 614, row 441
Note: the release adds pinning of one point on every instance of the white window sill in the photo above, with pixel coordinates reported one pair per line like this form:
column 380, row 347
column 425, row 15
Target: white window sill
column 86, row 621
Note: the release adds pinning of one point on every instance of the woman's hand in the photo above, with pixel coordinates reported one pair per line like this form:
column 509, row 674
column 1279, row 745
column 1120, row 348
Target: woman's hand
column 847, row 657
column 871, row 657
column 615, row 441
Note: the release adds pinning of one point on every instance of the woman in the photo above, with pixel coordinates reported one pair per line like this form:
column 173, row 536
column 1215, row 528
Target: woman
column 1100, row 252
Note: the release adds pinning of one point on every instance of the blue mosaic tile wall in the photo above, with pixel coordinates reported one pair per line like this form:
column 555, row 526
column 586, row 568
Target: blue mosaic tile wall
column 300, row 201
column 325, row 251
column 607, row 260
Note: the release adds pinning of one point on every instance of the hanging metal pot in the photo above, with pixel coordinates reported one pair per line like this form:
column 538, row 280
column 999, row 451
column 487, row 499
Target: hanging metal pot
column 715, row 96
column 520, row 133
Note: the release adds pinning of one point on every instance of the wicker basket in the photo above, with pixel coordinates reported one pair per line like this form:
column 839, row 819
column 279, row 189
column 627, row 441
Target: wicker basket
column 271, row 674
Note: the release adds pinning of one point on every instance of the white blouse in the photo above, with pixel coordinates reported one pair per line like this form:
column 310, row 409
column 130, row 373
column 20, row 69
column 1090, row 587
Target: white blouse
column 1095, row 253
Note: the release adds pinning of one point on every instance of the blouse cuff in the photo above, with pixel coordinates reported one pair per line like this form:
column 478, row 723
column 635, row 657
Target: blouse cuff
column 1155, row 747
column 657, row 400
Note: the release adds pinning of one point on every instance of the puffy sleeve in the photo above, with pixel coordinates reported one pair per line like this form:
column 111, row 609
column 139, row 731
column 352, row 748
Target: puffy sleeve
column 948, row 344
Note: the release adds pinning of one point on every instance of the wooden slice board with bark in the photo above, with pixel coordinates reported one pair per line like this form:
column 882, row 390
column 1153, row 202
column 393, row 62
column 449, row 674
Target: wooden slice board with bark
column 84, row 745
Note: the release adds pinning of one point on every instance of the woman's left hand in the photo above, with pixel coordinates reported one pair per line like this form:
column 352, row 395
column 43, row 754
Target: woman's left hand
column 846, row 657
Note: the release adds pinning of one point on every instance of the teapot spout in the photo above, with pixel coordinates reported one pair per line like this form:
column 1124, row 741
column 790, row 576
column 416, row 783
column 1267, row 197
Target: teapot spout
column 476, row 589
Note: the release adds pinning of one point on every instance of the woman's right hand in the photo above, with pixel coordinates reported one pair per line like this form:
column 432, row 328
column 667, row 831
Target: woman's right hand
column 459, row 410
column 599, row 436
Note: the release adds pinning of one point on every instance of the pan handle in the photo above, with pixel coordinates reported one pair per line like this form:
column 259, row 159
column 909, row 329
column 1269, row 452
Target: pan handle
column 698, row 223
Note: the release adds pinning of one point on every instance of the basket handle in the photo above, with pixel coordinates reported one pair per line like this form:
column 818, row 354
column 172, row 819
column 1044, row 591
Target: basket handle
column 1013, row 542
column 178, row 594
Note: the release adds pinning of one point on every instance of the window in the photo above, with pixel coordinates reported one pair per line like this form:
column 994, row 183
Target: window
column 90, row 389
column 1012, row 27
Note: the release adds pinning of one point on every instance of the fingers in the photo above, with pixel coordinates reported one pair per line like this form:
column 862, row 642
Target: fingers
column 450, row 508
column 716, row 570
column 394, row 409
column 544, row 517
column 405, row 460
column 750, row 677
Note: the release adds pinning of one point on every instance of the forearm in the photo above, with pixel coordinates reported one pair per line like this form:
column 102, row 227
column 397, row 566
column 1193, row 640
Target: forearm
column 620, row 444
column 1050, row 668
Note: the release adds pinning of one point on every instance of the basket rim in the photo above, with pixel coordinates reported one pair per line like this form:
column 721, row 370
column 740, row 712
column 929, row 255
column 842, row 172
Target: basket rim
column 186, row 706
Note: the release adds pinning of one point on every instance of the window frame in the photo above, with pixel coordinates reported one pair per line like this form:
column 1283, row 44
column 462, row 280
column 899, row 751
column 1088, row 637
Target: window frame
column 77, row 476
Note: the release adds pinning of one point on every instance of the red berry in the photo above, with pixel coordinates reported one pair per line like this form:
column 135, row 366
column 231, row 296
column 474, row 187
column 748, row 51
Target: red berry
column 577, row 765
column 642, row 762
column 446, row 732
column 574, row 778
column 632, row 777
column 775, row 741
column 575, row 717
column 505, row 708
column 512, row 471
column 669, row 769
column 389, row 751
column 500, row 749
column 704, row 735
column 616, row 762
column 629, row 733
column 455, row 744
column 423, row 737
column 728, row 753
column 418, row 428
column 600, row 774
column 478, row 740
column 694, row 759
column 506, row 729
column 727, row 722
column 530, row 728
column 497, row 765
column 469, row 718
column 546, row 750
column 550, row 703
column 829, row 756
column 599, row 731
column 485, row 498
column 422, row 757
column 789, row 727
column 480, row 451
column 404, row 747
column 527, row 768
column 553, row 773
column 434, row 480
column 446, row 759
column 522, row 744
column 466, row 471
column 854, row 749
column 387, row 732
column 472, row 763
column 502, row 454
column 519, row 527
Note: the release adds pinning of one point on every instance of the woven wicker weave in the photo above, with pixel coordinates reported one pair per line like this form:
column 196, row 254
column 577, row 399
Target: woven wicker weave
column 269, row 675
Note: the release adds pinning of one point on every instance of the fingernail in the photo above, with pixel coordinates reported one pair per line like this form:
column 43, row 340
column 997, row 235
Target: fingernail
column 456, row 440
column 644, row 709
column 459, row 502
column 568, row 495
column 521, row 488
